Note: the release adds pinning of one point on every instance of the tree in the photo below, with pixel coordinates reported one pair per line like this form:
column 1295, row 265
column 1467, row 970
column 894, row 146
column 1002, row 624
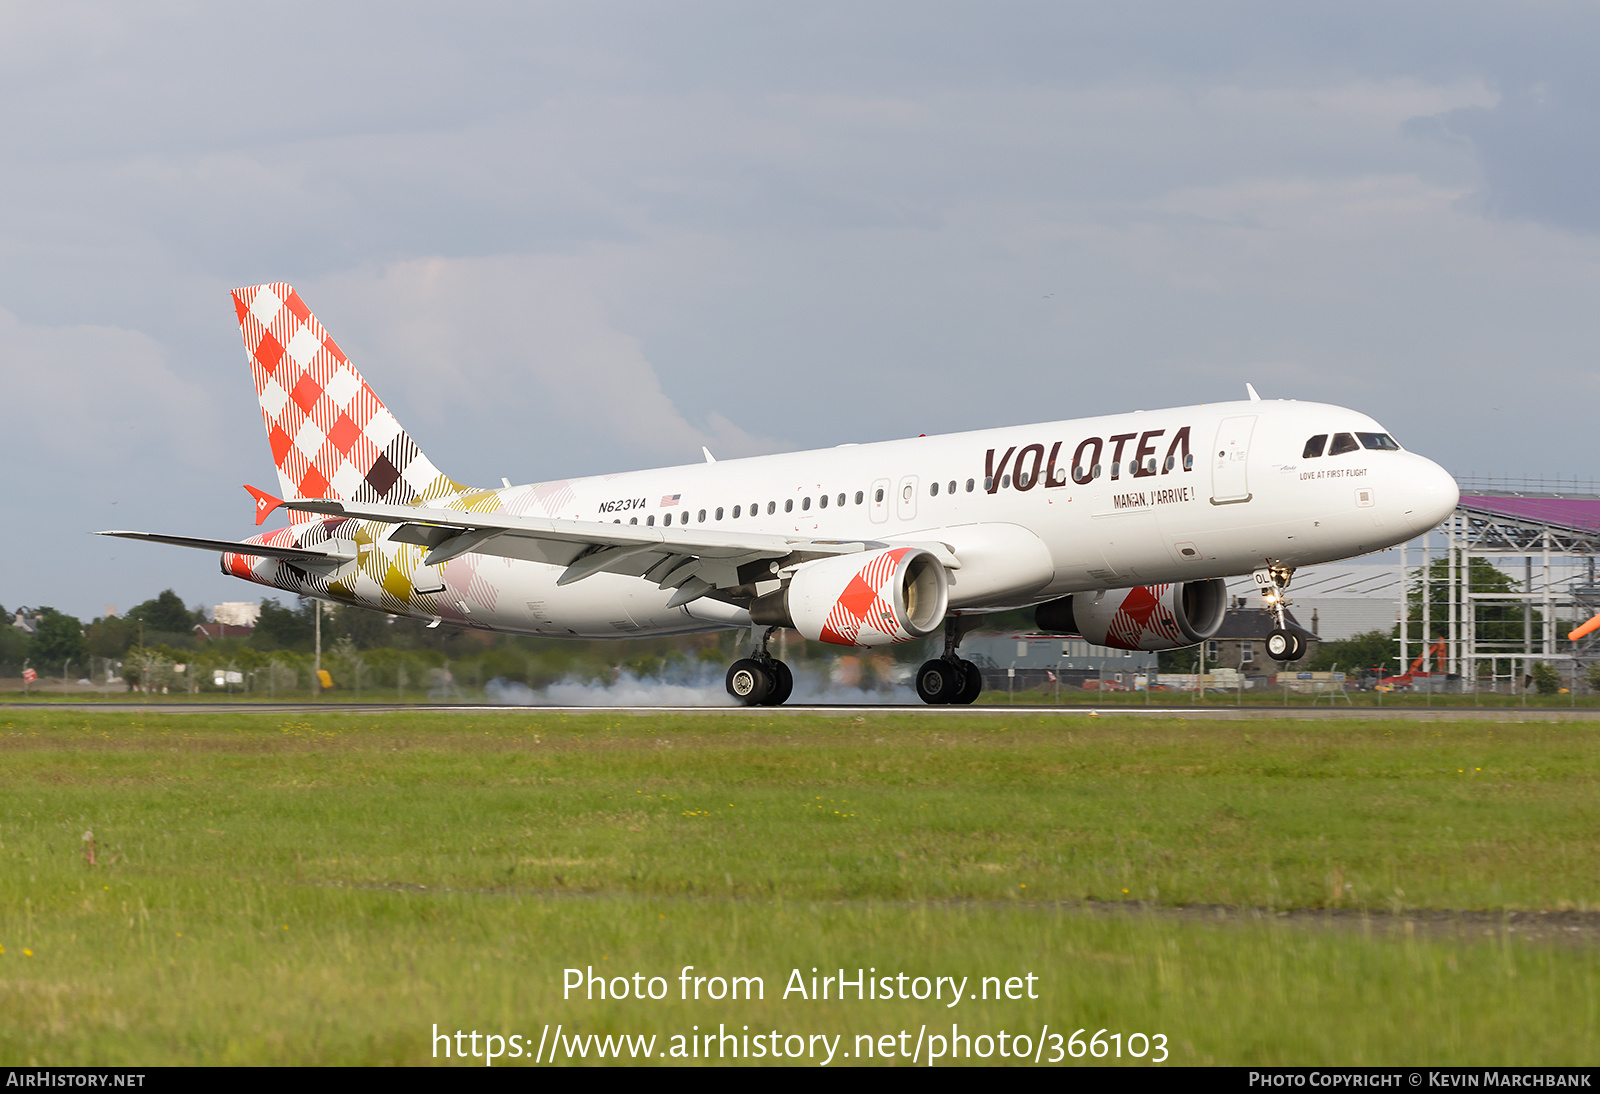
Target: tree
column 59, row 639
column 281, row 628
column 13, row 643
column 165, row 614
column 1375, row 650
column 1497, row 621
column 111, row 636
column 364, row 627
column 1546, row 678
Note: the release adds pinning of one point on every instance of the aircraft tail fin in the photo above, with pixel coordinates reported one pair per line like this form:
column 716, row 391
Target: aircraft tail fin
column 331, row 436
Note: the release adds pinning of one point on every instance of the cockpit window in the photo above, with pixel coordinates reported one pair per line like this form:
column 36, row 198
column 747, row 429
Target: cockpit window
column 1342, row 443
column 1382, row 442
column 1314, row 447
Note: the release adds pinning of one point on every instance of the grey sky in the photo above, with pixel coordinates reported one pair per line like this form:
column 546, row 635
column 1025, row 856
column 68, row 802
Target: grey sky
column 579, row 238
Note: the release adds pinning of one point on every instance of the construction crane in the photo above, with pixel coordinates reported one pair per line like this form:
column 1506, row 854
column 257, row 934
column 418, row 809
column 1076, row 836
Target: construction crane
column 1418, row 668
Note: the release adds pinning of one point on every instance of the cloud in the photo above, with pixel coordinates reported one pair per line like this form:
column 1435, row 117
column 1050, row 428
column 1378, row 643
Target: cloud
column 1539, row 148
column 101, row 431
column 90, row 397
column 511, row 348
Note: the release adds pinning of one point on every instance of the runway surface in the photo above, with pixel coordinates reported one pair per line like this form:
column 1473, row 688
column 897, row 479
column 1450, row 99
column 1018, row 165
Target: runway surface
column 1205, row 713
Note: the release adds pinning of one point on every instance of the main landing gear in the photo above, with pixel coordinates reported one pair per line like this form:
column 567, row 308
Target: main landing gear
column 947, row 678
column 1282, row 643
column 760, row 680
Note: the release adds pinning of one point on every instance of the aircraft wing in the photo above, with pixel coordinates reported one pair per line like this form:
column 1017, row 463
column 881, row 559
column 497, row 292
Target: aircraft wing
column 692, row 560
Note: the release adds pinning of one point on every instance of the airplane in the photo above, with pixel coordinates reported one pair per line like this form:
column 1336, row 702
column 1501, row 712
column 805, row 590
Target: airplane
column 1120, row 529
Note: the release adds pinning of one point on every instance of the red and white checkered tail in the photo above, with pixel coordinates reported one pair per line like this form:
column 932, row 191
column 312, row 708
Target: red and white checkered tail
column 330, row 435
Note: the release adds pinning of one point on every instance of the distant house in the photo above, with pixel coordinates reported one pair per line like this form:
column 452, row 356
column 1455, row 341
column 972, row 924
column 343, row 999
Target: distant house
column 230, row 619
column 27, row 624
column 1241, row 642
column 237, row 613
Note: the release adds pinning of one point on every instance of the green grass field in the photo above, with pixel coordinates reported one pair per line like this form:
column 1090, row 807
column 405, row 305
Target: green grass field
column 326, row 888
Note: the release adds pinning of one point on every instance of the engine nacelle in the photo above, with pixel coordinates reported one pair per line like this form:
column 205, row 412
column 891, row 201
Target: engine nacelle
column 874, row 599
column 1150, row 617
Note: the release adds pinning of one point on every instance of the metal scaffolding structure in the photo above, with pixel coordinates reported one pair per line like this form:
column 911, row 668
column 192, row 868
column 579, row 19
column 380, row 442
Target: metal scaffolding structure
column 1558, row 540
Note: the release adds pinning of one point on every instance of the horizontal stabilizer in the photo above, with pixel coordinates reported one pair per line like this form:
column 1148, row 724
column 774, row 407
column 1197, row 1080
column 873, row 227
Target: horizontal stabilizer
column 301, row 555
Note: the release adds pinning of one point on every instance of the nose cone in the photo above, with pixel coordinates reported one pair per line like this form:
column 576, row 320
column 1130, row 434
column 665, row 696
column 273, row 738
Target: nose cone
column 1428, row 494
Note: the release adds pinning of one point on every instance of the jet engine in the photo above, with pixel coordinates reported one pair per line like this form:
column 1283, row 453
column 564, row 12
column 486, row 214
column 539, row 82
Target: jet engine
column 1150, row 617
column 870, row 599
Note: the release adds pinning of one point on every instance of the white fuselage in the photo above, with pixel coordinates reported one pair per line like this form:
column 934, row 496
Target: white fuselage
column 1004, row 502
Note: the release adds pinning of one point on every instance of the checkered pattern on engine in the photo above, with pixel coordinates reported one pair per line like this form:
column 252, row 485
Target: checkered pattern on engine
column 861, row 607
column 1145, row 620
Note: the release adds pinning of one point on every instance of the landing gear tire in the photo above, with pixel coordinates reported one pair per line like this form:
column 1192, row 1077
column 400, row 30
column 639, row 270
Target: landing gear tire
column 938, row 681
column 782, row 685
column 971, row 684
column 750, row 682
column 1285, row 646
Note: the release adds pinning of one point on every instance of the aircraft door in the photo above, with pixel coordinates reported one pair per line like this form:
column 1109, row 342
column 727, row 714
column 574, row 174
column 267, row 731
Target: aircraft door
column 1230, row 460
column 878, row 501
column 905, row 498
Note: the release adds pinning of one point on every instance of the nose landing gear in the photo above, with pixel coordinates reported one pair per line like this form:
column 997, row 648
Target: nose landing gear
column 1282, row 644
column 760, row 679
column 948, row 678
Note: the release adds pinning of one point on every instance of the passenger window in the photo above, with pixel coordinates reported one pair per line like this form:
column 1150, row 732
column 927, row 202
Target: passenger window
column 805, row 505
column 1188, row 463
column 970, row 483
column 860, row 497
column 988, row 482
column 788, row 506
column 1172, row 461
column 1005, row 482
column 952, row 487
column 701, row 519
column 684, row 517
column 1342, row 443
column 719, row 512
column 1380, row 442
column 878, row 497
column 841, row 498
column 772, row 507
column 633, row 520
column 617, row 521
column 933, row 489
column 1094, row 472
column 650, row 521
column 667, row 519
column 822, row 502
column 736, row 510
column 1314, row 447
